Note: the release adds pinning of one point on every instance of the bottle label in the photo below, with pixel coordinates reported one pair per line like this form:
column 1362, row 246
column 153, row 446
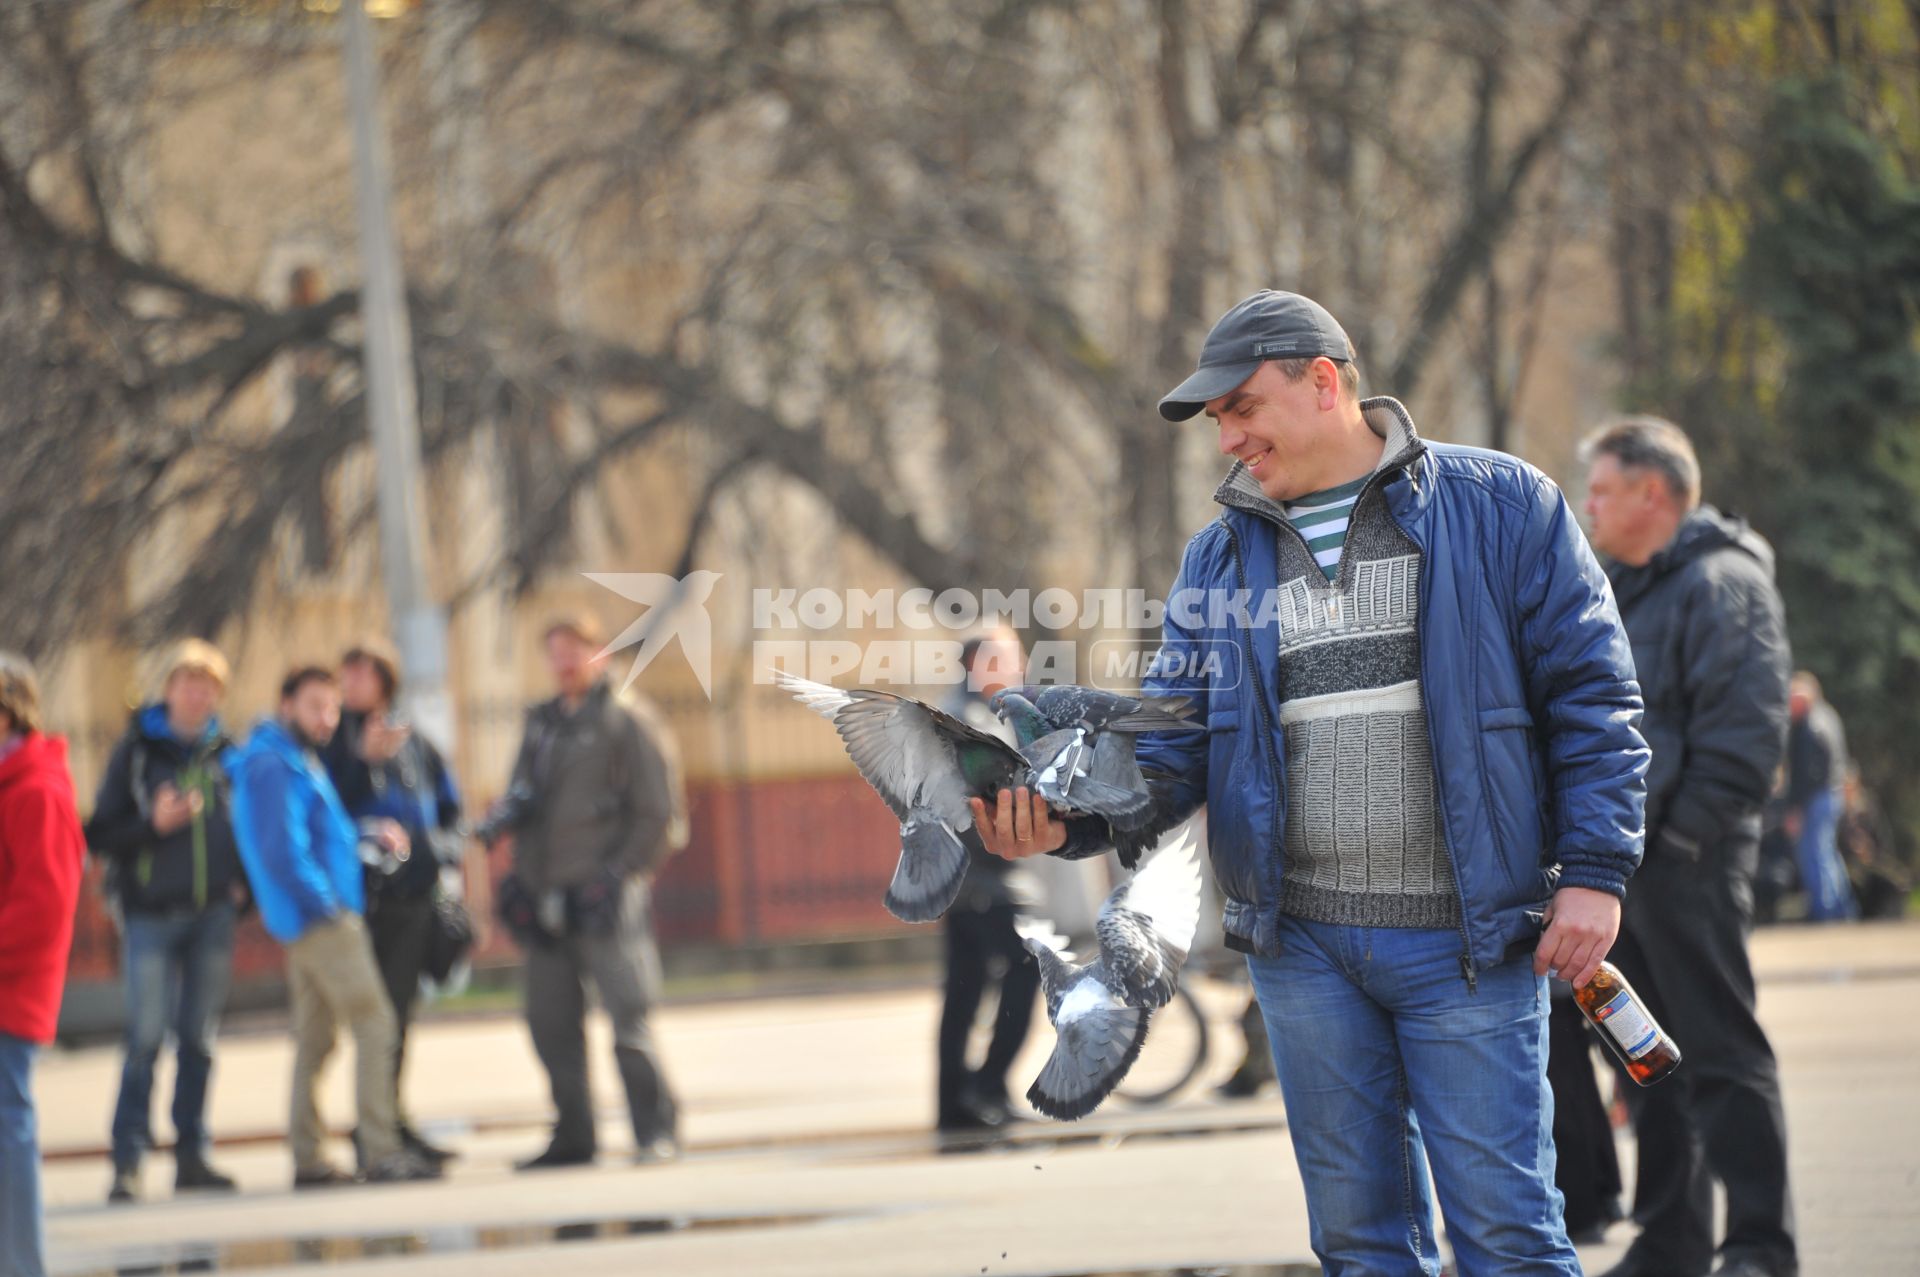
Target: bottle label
column 1629, row 1025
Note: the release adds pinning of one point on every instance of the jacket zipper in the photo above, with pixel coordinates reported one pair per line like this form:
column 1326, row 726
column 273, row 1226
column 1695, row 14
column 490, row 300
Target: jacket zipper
column 1467, row 969
column 199, row 827
column 1433, row 753
column 1277, row 853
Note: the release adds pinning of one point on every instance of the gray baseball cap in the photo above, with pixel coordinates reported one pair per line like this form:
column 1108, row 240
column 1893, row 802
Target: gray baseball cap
column 1267, row 325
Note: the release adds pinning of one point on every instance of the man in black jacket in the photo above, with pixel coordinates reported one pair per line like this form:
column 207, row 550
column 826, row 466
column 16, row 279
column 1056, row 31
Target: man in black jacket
column 1696, row 592
column 161, row 814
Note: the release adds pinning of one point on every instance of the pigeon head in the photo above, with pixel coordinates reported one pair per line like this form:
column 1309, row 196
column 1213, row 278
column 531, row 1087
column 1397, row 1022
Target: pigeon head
column 1019, row 713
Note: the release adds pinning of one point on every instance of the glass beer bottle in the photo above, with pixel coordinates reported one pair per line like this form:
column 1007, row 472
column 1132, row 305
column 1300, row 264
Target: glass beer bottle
column 1642, row 1046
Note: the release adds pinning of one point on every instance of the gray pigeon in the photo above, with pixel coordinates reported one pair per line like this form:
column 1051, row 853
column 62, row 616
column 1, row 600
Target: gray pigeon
column 1081, row 742
column 1100, row 1011
column 926, row 765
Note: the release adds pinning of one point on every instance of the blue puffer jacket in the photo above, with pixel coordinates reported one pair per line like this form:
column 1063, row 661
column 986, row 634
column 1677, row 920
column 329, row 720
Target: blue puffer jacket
column 300, row 847
column 1526, row 675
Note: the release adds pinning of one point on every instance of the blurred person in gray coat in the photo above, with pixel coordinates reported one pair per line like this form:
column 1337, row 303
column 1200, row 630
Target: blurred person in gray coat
column 595, row 806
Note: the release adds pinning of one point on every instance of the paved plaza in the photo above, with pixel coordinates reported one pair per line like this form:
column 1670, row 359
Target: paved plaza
column 808, row 1152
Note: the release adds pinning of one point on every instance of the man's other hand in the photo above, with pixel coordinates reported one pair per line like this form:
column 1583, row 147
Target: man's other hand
column 392, row 837
column 1581, row 926
column 1020, row 825
column 172, row 808
column 380, row 740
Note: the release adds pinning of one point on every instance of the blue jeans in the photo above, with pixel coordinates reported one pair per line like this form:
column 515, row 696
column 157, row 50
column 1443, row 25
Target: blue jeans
column 1389, row 1065
column 1829, row 894
column 23, row 1246
column 177, row 967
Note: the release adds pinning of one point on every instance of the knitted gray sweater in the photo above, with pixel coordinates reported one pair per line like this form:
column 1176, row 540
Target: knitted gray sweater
column 1364, row 844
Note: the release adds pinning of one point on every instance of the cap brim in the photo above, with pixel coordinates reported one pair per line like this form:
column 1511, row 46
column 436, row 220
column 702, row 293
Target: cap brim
column 1193, row 394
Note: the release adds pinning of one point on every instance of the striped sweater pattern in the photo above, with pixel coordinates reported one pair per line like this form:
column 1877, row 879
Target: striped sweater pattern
column 1364, row 843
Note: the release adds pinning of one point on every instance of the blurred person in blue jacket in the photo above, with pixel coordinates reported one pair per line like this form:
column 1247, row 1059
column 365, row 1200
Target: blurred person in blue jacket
column 304, row 858
column 161, row 819
column 385, row 770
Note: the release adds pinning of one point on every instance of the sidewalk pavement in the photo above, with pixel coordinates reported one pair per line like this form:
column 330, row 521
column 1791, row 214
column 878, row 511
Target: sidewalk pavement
column 805, row 1121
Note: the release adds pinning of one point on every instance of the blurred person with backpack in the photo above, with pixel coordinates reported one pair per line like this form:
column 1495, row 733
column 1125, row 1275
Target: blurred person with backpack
column 41, row 854
column 162, row 818
column 384, row 769
column 595, row 805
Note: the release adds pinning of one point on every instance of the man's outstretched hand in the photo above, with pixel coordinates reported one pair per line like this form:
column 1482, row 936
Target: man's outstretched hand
column 1581, row 926
column 1019, row 825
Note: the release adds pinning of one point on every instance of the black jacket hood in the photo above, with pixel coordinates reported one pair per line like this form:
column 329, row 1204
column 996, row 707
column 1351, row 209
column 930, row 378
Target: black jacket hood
column 1701, row 533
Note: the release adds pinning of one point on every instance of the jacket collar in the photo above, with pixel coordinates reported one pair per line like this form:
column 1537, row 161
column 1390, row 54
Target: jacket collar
column 271, row 735
column 1386, row 416
column 554, row 711
column 151, row 722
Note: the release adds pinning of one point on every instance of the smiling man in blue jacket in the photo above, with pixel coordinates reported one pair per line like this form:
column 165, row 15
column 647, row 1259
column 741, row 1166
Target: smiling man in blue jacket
column 1424, row 782
column 302, row 853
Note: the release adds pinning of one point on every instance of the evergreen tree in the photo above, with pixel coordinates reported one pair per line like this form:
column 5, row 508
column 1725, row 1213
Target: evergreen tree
column 1832, row 263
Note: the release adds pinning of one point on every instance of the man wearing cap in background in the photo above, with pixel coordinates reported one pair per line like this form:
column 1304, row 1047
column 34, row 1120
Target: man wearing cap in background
column 595, row 805
column 1424, row 785
column 162, row 817
column 383, row 769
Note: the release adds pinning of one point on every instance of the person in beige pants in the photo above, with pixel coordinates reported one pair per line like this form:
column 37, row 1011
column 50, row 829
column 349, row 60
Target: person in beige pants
column 332, row 980
column 302, row 854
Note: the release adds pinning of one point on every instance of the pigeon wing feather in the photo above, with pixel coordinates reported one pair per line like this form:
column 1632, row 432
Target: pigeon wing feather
column 1146, row 927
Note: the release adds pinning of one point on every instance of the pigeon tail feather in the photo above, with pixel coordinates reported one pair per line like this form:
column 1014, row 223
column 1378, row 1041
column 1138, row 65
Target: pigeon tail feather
column 1095, row 799
column 1090, row 1059
column 1152, row 720
column 933, row 864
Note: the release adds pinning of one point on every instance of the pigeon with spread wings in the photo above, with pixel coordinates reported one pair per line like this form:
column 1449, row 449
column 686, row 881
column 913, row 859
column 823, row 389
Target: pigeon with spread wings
column 926, row 765
column 1100, row 1011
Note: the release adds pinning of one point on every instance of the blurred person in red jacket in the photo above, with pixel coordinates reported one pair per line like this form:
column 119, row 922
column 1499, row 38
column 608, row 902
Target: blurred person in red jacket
column 41, row 850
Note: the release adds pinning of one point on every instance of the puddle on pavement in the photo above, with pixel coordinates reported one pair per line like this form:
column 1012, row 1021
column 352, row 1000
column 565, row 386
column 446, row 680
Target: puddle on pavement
column 1225, row 1270
column 1044, row 1137
column 446, row 1240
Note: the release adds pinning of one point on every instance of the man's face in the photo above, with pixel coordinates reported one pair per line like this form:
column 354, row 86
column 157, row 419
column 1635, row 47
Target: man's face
column 998, row 663
column 314, row 710
column 571, row 661
column 191, row 698
column 1280, row 428
column 360, row 688
column 1621, row 503
column 1799, row 701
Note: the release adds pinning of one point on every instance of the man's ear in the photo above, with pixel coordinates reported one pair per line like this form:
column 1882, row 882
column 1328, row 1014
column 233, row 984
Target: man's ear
column 1326, row 383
